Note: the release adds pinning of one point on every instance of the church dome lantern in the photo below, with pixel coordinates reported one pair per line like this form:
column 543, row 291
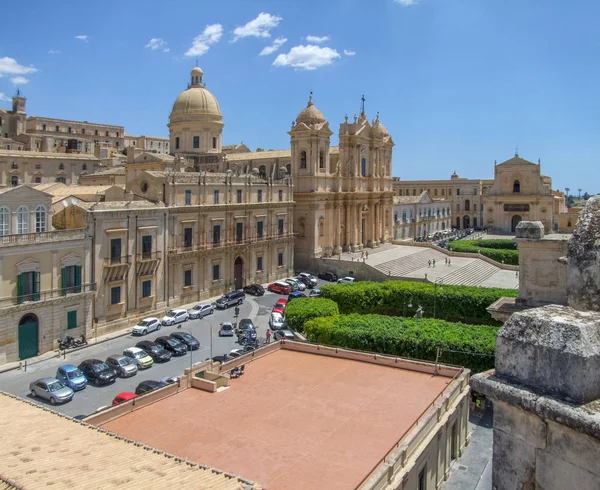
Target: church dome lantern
column 196, row 101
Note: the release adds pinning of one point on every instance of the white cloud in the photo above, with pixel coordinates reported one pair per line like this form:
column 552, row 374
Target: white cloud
column 274, row 47
column 4, row 97
column 406, row 3
column 156, row 43
column 166, row 50
column 201, row 43
column 82, row 37
column 317, row 39
column 9, row 66
column 347, row 52
column 54, row 51
column 259, row 27
column 308, row 57
column 19, row 80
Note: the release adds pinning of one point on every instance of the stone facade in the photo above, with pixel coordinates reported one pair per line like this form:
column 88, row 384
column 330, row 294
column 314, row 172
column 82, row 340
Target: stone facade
column 420, row 216
column 46, row 285
column 152, row 144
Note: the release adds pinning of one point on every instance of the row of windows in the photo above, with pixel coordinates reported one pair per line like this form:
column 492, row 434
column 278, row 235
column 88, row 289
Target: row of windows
column 38, row 166
column 215, row 234
column 22, row 220
column 195, row 143
column 468, row 206
column 239, row 196
column 407, row 192
column 70, row 130
column 14, row 180
column 115, row 292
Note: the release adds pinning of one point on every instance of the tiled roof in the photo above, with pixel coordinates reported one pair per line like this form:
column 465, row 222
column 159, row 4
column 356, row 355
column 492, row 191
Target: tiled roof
column 43, row 154
column 260, row 155
column 43, row 449
column 406, row 199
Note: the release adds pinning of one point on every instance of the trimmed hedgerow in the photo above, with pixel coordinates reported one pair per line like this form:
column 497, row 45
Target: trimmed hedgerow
column 301, row 310
column 466, row 304
column 471, row 346
column 500, row 250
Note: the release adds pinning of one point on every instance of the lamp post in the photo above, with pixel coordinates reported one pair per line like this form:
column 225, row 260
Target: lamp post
column 404, row 305
column 439, row 281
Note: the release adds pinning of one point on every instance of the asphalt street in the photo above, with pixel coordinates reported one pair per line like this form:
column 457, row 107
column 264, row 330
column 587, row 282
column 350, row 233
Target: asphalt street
column 92, row 397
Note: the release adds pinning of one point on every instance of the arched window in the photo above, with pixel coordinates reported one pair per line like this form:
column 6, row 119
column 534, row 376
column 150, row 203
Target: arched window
column 61, row 166
column 302, row 159
column 40, row 219
column 289, row 169
column 458, row 192
column 38, row 180
column 363, row 167
column 467, row 205
column 435, row 192
column 22, row 220
column 322, row 227
column 262, row 171
column 14, row 181
column 321, row 159
column 14, row 166
column 516, row 186
column 443, row 192
column 61, row 180
column 5, row 221
column 568, row 224
column 84, row 167
column 400, row 192
column 474, row 191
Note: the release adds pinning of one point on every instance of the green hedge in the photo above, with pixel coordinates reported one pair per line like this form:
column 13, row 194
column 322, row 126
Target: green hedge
column 500, row 250
column 301, row 310
column 466, row 304
column 471, row 346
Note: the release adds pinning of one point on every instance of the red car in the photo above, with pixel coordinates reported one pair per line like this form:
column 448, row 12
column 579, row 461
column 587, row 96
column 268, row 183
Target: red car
column 280, row 287
column 123, row 397
column 280, row 306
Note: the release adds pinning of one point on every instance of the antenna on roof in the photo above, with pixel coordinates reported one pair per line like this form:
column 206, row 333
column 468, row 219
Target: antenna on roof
column 517, row 150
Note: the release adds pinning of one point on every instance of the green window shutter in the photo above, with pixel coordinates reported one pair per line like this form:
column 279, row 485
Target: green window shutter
column 72, row 319
column 19, row 289
column 36, row 287
column 63, row 280
column 78, row 278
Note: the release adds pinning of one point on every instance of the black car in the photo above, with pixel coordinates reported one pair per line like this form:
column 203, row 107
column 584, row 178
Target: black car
column 156, row 351
column 148, row 386
column 222, row 359
column 98, row 372
column 328, row 276
column 176, row 347
column 246, row 330
column 188, row 339
column 254, row 290
column 244, row 324
column 230, row 299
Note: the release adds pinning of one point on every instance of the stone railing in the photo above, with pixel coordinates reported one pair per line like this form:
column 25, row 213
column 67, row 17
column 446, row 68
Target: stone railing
column 42, row 237
column 47, row 295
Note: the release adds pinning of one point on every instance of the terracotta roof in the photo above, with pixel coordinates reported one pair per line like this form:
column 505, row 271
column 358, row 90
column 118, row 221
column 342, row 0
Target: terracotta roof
column 69, row 454
column 43, row 154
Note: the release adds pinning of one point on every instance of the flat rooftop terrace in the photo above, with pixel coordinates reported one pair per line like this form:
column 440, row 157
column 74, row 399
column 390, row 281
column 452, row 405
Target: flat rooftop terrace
column 294, row 420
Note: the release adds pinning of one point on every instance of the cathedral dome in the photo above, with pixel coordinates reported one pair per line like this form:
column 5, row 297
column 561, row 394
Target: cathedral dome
column 310, row 114
column 196, row 100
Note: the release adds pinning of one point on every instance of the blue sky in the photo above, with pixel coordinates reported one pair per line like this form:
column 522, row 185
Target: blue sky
column 458, row 83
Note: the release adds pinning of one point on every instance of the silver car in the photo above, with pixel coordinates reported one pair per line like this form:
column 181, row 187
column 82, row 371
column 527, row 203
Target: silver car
column 296, row 284
column 201, row 310
column 52, row 390
column 124, row 366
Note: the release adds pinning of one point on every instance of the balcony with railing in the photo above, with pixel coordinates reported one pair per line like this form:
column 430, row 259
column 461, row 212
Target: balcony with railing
column 46, row 295
column 116, row 267
column 147, row 263
column 42, row 237
column 224, row 242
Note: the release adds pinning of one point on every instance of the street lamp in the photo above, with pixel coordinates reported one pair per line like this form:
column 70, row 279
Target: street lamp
column 439, row 281
column 404, row 305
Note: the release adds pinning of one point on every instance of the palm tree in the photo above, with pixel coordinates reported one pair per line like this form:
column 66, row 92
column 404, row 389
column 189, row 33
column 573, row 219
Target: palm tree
column 567, row 189
column 579, row 193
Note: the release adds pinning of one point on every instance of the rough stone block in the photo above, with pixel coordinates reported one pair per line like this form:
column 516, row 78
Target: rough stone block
column 551, row 349
column 583, row 269
column 520, row 424
column 574, row 447
column 530, row 230
column 513, row 463
column 554, row 473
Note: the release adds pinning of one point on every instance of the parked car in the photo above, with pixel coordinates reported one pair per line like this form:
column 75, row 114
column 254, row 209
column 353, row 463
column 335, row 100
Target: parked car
column 201, row 310
column 328, row 276
column 280, row 305
column 245, row 324
column 51, row 389
column 284, row 334
column 314, row 293
column 296, row 295
column 148, row 386
column 71, row 376
column 145, row 326
column 175, row 316
column 345, row 280
column 308, row 279
column 156, row 351
column 296, row 284
column 247, row 333
column 254, row 290
column 123, row 397
column 124, row 366
column 235, row 353
column 222, row 359
column 188, row 339
column 176, row 347
column 226, row 330
column 276, row 321
column 280, row 287
column 170, row 380
column 98, row 372
column 231, row 299
column 139, row 356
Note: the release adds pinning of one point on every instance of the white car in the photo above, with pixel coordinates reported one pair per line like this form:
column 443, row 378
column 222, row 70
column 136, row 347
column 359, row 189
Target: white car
column 295, row 284
column 345, row 280
column 201, row 310
column 175, row 316
column 145, row 326
column 314, row 293
column 276, row 321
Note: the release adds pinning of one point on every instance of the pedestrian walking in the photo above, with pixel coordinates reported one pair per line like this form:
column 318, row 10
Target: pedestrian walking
column 448, row 261
column 429, row 263
column 433, row 262
column 268, row 336
column 516, row 273
column 362, row 254
column 367, row 254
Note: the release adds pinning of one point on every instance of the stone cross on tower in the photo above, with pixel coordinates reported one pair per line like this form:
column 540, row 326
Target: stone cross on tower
column 362, row 104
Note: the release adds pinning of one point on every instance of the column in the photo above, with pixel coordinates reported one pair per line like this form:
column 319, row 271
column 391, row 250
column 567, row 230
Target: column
column 347, row 225
column 54, row 274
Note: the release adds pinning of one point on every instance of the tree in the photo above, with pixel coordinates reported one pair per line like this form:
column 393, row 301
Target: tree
column 579, row 193
column 586, row 196
column 567, row 189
